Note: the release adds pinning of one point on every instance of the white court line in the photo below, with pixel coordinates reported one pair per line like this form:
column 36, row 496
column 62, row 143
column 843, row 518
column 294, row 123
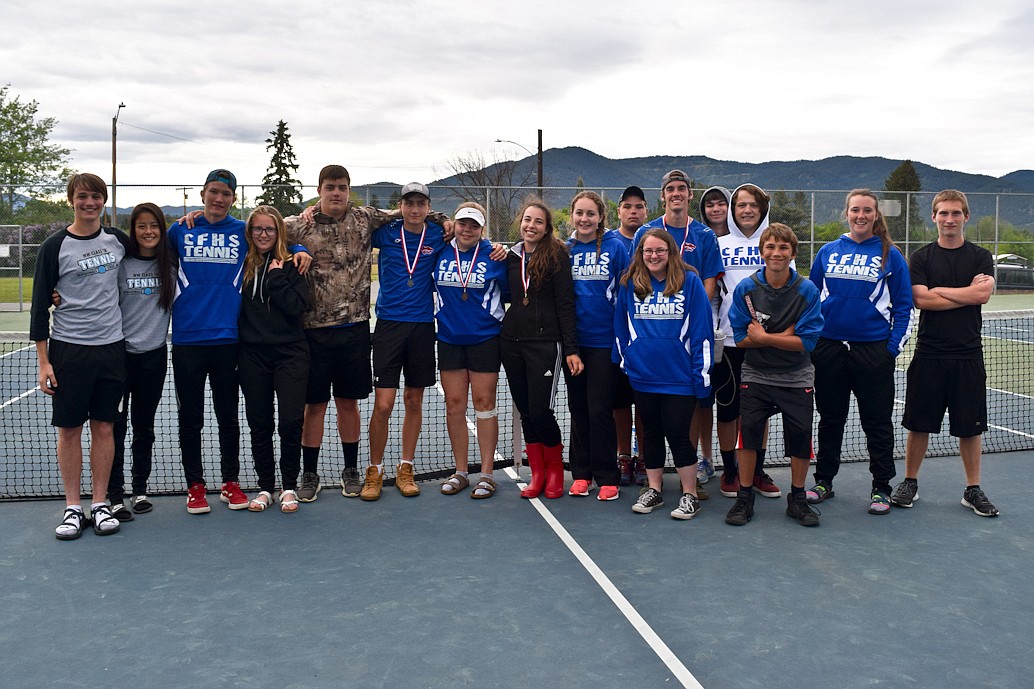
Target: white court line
column 651, row 638
column 655, row 642
column 4, row 356
column 1010, row 430
column 21, row 396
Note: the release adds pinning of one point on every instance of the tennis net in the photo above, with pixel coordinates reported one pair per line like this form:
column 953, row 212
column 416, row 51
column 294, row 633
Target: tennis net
column 29, row 469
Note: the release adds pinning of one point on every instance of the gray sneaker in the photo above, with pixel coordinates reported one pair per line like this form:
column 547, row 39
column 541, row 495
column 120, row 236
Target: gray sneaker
column 309, row 487
column 906, row 493
column 351, row 483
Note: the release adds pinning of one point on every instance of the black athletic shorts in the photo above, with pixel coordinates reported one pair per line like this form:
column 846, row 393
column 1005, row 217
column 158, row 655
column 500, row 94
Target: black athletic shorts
column 725, row 384
column 623, row 395
column 399, row 346
column 482, row 357
column 759, row 402
column 958, row 385
column 339, row 357
column 90, row 382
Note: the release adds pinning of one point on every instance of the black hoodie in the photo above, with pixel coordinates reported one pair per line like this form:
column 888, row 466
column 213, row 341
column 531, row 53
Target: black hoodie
column 272, row 306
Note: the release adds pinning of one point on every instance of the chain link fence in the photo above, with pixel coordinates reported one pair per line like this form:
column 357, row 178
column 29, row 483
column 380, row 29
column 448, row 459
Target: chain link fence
column 1002, row 223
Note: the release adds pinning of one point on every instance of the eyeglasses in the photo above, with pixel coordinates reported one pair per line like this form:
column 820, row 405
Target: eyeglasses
column 263, row 230
column 654, row 252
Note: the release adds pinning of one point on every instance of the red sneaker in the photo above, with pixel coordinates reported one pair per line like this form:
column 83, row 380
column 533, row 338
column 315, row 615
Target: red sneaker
column 729, row 485
column 580, row 488
column 233, row 496
column 763, row 484
column 197, row 503
column 607, row 493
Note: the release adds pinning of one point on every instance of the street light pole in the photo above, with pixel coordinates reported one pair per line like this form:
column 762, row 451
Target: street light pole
column 114, row 181
column 540, row 163
column 538, row 156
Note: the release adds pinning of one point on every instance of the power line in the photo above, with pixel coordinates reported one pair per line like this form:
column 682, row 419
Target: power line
column 171, row 136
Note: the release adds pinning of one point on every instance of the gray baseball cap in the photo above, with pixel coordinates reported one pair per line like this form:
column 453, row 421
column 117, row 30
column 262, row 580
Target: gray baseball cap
column 415, row 188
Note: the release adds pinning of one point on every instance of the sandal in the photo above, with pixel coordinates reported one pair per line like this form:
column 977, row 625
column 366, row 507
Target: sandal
column 121, row 512
column 260, row 502
column 104, row 522
column 486, row 486
column 73, row 519
column 140, row 504
column 454, row 484
column 288, row 501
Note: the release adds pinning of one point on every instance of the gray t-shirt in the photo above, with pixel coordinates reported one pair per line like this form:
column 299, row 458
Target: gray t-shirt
column 84, row 271
column 144, row 323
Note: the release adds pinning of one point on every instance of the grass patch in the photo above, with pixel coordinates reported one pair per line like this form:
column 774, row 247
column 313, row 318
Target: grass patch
column 9, row 289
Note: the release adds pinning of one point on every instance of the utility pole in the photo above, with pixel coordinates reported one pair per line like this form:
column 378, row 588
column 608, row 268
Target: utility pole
column 114, row 181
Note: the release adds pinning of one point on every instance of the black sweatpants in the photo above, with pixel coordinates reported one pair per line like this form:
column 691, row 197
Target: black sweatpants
column 145, row 380
column 265, row 371
column 867, row 370
column 191, row 366
column 666, row 417
column 590, row 398
column 532, row 371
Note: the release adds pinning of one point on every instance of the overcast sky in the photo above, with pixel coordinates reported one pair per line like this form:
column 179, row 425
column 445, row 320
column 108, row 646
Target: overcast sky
column 394, row 89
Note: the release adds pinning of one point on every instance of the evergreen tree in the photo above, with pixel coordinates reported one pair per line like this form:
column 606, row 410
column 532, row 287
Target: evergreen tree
column 904, row 178
column 279, row 187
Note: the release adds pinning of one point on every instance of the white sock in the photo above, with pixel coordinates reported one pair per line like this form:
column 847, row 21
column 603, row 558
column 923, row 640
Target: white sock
column 108, row 524
column 66, row 529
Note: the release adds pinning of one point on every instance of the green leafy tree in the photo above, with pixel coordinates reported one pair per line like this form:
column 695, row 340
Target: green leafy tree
column 29, row 163
column 903, row 179
column 280, row 189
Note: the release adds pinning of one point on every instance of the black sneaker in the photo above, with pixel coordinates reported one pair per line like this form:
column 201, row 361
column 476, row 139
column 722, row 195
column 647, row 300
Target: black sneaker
column 689, row 507
column 906, row 493
column 975, row 500
column 742, row 510
column 648, row 500
column 797, row 507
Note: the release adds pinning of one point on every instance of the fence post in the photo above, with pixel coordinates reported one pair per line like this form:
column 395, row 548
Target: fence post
column 997, row 250
column 812, row 226
column 21, row 269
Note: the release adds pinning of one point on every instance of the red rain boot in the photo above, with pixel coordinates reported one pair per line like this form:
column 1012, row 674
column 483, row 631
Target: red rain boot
column 538, row 471
column 554, row 458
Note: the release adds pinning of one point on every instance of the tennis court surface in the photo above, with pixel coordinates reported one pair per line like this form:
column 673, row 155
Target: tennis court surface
column 440, row 591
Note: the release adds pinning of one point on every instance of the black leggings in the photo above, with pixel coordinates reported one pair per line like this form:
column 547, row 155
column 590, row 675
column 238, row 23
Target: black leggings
column 593, row 436
column 265, row 371
column 145, row 381
column 532, row 370
column 666, row 417
column 191, row 365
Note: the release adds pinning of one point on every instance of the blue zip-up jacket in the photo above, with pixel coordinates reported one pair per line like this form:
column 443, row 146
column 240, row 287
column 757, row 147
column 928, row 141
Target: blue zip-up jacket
column 208, row 286
column 666, row 344
column 863, row 300
column 794, row 304
column 699, row 245
column 479, row 317
column 595, row 278
column 396, row 299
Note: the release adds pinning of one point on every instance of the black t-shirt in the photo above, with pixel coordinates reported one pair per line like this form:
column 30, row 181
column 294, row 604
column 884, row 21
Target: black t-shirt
column 952, row 334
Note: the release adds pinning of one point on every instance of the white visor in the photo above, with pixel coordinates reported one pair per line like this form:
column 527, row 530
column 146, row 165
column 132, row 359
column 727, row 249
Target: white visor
column 472, row 213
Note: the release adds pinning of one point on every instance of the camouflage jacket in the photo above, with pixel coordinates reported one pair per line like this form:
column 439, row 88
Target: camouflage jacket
column 339, row 278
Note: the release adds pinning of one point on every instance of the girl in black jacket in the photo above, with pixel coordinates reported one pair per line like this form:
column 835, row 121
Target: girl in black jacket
column 538, row 334
column 274, row 355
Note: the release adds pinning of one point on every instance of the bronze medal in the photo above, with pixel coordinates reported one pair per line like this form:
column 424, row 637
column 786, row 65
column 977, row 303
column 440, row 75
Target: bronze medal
column 525, row 300
column 464, row 295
